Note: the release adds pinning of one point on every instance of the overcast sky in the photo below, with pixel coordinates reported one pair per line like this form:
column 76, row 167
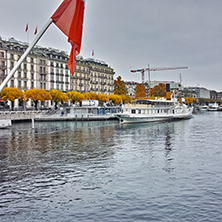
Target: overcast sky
column 130, row 34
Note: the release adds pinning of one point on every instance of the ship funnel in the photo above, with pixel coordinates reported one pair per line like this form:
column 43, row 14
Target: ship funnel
column 168, row 94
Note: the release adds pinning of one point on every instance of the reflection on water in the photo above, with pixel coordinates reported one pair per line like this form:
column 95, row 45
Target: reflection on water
column 103, row 171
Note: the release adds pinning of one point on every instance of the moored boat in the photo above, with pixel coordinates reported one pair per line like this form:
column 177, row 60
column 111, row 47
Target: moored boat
column 213, row 107
column 204, row 108
column 146, row 110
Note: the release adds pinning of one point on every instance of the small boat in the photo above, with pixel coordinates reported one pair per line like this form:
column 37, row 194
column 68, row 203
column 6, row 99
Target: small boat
column 204, row 108
column 213, row 107
column 4, row 123
column 146, row 110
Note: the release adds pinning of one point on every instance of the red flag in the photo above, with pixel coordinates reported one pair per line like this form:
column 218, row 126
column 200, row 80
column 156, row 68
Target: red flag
column 27, row 27
column 93, row 52
column 69, row 19
column 36, row 30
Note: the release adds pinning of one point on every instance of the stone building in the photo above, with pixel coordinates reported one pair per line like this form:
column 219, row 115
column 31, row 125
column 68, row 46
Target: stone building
column 46, row 68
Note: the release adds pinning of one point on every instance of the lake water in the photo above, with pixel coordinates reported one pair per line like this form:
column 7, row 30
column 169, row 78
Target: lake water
column 101, row 171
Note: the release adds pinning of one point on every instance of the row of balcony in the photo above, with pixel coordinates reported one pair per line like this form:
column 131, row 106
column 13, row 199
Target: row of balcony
column 82, row 71
column 80, row 78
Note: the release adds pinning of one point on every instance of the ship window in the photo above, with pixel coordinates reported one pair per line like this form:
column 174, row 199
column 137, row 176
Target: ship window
column 139, row 111
column 133, row 111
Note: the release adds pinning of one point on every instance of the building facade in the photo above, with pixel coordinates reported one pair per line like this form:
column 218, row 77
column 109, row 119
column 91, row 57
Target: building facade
column 199, row 91
column 46, row 68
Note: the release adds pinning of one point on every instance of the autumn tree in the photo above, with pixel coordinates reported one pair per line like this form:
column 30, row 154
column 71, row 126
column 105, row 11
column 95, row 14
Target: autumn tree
column 126, row 99
column 190, row 100
column 158, row 91
column 11, row 94
column 102, row 97
column 117, row 99
column 58, row 96
column 140, row 91
column 75, row 96
column 37, row 95
column 119, row 86
column 91, row 96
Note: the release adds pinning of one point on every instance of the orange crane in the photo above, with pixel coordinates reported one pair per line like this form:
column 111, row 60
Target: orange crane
column 155, row 69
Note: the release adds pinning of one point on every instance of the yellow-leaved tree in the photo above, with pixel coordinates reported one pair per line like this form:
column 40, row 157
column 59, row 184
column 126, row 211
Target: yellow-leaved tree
column 75, row 96
column 126, row 99
column 102, row 97
column 190, row 100
column 158, row 91
column 119, row 86
column 140, row 91
column 11, row 94
column 117, row 99
column 90, row 96
column 58, row 96
column 37, row 95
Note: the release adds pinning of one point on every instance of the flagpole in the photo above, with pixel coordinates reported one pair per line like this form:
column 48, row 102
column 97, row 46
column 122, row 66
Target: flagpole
column 49, row 22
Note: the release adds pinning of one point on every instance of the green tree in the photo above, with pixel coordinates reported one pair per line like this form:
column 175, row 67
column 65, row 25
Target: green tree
column 119, row 86
column 37, row 95
column 11, row 94
column 140, row 91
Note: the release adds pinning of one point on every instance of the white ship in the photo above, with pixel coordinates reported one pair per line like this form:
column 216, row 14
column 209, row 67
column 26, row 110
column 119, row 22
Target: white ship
column 145, row 110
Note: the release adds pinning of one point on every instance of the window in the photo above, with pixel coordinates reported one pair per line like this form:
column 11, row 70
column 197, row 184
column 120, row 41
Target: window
column 11, row 65
column 2, row 54
column 32, row 75
column 32, row 84
column 19, row 84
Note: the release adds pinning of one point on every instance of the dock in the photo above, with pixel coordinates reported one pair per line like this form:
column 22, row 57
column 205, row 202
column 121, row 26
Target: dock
column 67, row 114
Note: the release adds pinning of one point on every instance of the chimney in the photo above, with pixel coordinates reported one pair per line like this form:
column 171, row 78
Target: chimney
column 168, row 94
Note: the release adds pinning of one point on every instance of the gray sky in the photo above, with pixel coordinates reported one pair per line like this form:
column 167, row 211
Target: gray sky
column 132, row 34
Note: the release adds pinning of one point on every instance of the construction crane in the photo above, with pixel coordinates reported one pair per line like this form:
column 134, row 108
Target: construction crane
column 155, row 69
